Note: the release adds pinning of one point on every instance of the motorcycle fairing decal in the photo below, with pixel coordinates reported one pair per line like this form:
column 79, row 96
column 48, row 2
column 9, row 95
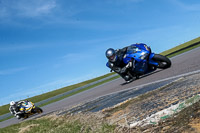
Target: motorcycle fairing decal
column 147, row 48
column 27, row 107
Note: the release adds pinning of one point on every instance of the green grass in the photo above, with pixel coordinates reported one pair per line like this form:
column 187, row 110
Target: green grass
column 35, row 99
column 4, row 109
column 181, row 46
column 185, row 50
column 7, row 118
column 69, row 124
column 44, row 126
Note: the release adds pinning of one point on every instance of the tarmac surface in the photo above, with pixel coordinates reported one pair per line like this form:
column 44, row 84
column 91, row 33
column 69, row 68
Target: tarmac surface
column 187, row 63
column 113, row 99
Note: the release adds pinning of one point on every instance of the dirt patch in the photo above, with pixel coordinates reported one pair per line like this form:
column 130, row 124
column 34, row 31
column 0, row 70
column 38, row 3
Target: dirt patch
column 187, row 120
column 149, row 103
column 27, row 128
column 195, row 124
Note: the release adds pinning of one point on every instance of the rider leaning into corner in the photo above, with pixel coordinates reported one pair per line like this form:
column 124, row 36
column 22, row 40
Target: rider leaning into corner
column 14, row 107
column 116, row 64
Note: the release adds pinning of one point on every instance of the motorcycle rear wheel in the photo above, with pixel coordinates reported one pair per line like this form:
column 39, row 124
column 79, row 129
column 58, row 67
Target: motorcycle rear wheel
column 163, row 61
column 38, row 110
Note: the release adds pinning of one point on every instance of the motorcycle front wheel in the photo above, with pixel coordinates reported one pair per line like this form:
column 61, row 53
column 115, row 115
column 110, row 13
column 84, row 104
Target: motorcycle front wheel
column 163, row 61
column 18, row 116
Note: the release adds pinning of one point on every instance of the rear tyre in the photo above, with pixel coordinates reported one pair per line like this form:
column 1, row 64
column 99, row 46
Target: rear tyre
column 163, row 61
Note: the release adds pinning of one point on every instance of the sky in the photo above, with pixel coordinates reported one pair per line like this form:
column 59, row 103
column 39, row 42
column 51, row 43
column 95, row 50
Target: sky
column 49, row 44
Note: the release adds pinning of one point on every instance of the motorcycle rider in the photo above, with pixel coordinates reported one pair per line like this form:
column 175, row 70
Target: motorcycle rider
column 115, row 61
column 14, row 108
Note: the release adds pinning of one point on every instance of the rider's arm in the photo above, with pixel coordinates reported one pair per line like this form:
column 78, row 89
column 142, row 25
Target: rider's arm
column 20, row 102
column 114, row 68
column 121, row 52
column 11, row 110
column 108, row 64
column 124, row 49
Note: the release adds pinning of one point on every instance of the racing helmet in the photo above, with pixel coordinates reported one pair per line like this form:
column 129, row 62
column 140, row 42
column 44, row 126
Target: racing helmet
column 111, row 55
column 12, row 103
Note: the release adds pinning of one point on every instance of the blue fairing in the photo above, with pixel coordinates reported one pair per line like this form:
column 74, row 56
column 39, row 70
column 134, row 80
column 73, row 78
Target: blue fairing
column 140, row 53
column 107, row 64
column 151, row 62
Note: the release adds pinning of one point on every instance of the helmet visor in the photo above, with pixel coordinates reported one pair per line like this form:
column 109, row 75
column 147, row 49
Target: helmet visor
column 112, row 57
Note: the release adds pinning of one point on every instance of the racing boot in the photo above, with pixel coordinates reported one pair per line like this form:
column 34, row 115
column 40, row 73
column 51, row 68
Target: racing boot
column 128, row 79
column 18, row 116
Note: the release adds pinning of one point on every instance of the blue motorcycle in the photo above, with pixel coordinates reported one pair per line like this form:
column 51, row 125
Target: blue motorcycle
column 143, row 60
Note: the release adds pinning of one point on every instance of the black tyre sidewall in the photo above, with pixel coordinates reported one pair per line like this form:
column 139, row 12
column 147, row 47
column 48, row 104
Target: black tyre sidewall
column 38, row 110
column 160, row 59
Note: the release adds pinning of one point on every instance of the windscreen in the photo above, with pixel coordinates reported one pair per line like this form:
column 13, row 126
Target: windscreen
column 132, row 49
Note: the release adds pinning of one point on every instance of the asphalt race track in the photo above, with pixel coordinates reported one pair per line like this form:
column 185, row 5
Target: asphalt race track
column 181, row 64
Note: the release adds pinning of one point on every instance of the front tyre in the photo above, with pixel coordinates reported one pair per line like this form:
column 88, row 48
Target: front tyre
column 163, row 61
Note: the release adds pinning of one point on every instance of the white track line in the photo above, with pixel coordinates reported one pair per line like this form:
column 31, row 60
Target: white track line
column 139, row 86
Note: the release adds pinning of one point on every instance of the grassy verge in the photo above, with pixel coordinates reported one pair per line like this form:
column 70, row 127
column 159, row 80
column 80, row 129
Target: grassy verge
column 184, row 45
column 185, row 50
column 4, row 109
column 64, row 124
column 7, row 118
column 35, row 99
